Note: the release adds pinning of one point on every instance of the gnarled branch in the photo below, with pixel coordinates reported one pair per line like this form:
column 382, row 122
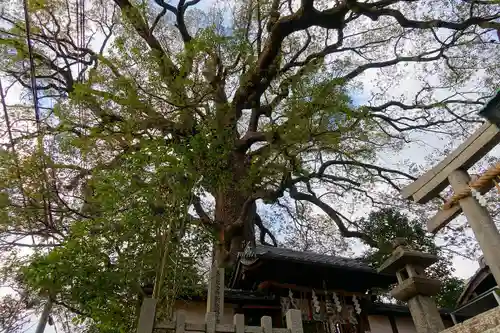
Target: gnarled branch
column 169, row 70
column 334, row 215
column 204, row 218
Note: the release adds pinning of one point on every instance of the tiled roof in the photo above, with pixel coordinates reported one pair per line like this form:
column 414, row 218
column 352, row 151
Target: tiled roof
column 493, row 102
column 472, row 283
column 279, row 253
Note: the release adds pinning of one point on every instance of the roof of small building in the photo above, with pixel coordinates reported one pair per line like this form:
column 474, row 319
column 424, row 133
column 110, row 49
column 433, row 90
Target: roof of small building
column 481, row 281
column 492, row 103
column 278, row 253
column 262, row 263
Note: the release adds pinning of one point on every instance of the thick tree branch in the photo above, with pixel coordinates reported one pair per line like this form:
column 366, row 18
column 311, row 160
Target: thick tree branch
column 249, row 139
column 373, row 11
column 257, row 112
column 179, row 15
column 378, row 169
column 200, row 211
column 321, row 175
column 307, row 16
column 288, row 182
column 264, row 231
column 245, row 210
column 334, row 215
column 72, row 309
column 263, row 72
column 401, row 126
column 317, row 55
column 169, row 70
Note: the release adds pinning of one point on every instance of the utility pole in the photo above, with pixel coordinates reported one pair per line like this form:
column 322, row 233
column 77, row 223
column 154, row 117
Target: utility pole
column 44, row 317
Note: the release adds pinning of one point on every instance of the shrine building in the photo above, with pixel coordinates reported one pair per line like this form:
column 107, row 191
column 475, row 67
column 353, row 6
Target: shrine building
column 334, row 294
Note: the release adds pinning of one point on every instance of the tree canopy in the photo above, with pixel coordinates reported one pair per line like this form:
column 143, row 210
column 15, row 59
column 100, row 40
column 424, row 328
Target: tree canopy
column 160, row 126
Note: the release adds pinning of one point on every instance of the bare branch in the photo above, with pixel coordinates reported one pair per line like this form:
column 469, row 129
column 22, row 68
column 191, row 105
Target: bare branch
column 421, row 106
column 344, row 231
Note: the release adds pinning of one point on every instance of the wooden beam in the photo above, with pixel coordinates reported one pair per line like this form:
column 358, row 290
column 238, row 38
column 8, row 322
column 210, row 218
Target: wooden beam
column 303, row 289
column 445, row 216
column 465, row 156
column 271, row 307
column 442, row 218
column 392, row 321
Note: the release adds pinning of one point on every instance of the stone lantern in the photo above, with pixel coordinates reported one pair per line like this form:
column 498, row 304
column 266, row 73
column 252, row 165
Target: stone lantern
column 414, row 286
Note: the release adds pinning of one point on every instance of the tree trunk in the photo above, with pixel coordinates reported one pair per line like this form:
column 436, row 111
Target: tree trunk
column 229, row 202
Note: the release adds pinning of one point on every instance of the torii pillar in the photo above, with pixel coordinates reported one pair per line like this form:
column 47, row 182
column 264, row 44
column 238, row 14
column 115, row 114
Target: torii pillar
column 414, row 286
column 485, row 230
column 453, row 171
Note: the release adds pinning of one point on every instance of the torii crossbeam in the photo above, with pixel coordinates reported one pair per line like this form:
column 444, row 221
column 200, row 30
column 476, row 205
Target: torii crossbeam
column 453, row 171
column 431, row 183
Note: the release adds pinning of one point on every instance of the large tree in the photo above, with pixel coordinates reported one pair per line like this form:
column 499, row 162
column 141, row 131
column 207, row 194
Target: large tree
column 159, row 123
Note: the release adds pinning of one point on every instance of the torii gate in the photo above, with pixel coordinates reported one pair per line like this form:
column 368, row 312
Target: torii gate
column 453, row 171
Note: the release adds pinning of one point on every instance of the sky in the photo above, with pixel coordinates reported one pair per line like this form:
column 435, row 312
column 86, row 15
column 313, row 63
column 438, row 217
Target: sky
column 417, row 152
column 423, row 146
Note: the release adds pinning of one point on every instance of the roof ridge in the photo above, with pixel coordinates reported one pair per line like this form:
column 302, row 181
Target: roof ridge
column 312, row 252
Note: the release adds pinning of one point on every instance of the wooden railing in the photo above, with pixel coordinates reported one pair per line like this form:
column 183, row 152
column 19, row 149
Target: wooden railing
column 179, row 324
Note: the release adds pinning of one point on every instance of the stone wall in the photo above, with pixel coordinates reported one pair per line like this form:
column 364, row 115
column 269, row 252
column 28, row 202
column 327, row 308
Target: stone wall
column 486, row 322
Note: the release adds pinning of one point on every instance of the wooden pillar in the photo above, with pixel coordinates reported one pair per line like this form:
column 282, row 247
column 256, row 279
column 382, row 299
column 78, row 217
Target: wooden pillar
column 294, row 321
column 215, row 297
column 479, row 219
column 392, row 321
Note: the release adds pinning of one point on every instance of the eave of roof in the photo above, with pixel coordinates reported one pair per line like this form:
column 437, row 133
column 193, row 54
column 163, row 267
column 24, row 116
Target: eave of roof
column 492, row 103
column 261, row 253
column 234, row 295
column 481, row 274
column 269, row 252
